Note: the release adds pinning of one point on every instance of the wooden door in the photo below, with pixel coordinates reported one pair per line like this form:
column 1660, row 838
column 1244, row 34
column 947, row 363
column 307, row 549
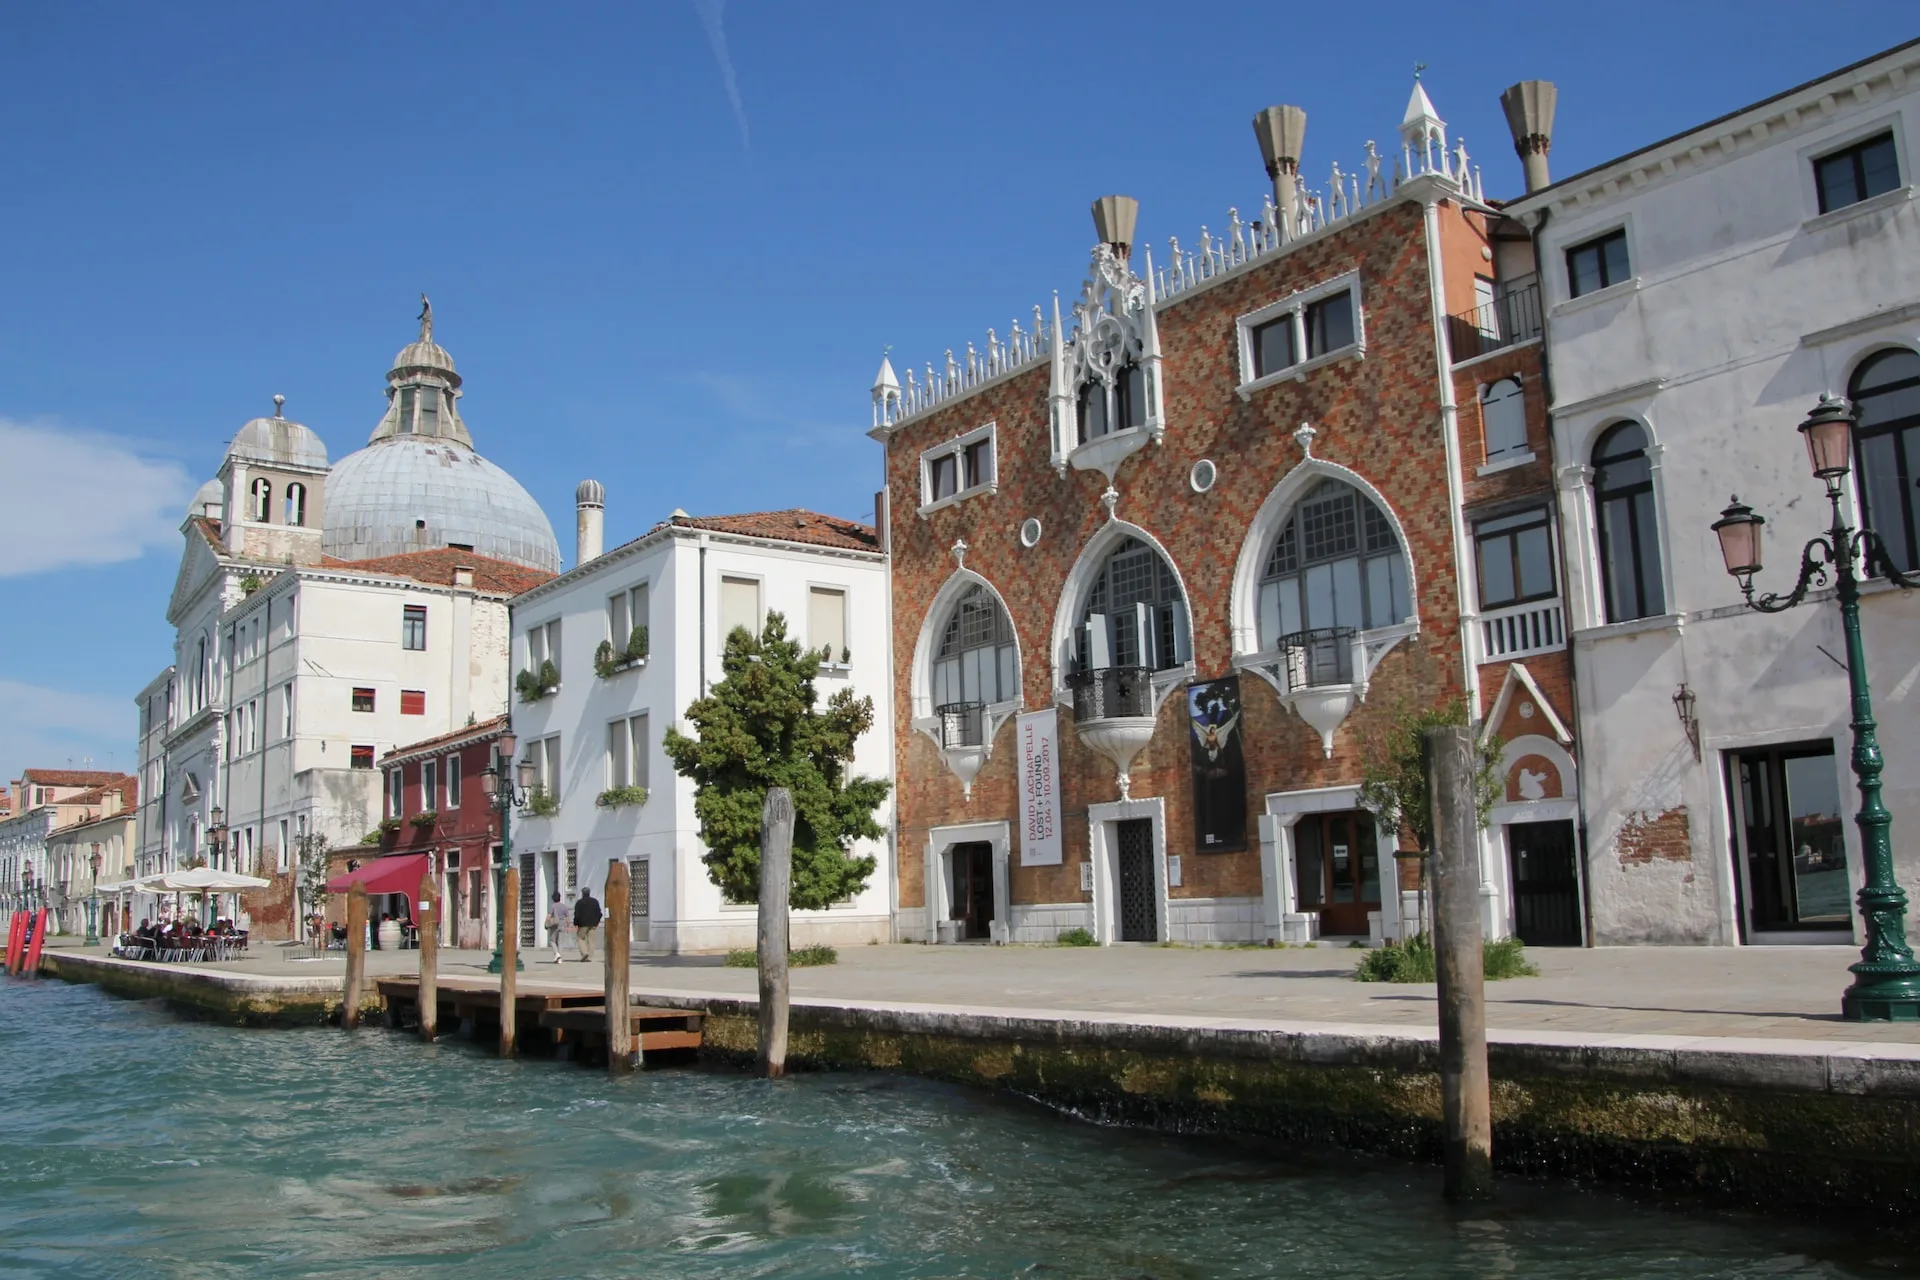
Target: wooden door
column 1336, row 864
column 973, row 888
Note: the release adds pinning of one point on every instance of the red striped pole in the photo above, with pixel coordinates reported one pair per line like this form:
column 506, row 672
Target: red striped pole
column 16, row 940
column 33, row 948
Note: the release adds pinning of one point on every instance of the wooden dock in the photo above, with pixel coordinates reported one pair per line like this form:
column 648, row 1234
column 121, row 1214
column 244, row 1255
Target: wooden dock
column 573, row 1019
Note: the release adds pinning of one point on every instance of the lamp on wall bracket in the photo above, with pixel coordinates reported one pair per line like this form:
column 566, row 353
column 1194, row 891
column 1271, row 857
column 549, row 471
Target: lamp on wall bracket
column 1683, row 704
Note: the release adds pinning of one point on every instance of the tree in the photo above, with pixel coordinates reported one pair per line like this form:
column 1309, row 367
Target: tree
column 311, row 851
column 1393, row 778
column 760, row 727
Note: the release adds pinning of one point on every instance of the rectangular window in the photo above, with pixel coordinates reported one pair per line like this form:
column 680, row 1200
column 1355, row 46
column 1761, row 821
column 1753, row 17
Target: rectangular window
column 1597, row 264
column 827, row 621
column 1516, row 558
column 361, row 757
column 544, row 755
column 626, row 612
column 286, row 708
column 429, row 411
column 1273, row 346
column 627, row 752
column 977, row 462
column 1789, row 834
column 413, row 702
column 943, row 477
column 413, row 627
column 739, row 605
column 429, row 785
column 363, row 699
column 397, row 791
column 1860, row 172
column 453, row 782
column 1329, row 324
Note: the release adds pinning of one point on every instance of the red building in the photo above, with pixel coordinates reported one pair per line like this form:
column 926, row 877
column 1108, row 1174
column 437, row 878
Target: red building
column 438, row 816
column 1162, row 565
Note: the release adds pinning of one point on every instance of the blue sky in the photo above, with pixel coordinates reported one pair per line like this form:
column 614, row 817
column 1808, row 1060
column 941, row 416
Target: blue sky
column 666, row 241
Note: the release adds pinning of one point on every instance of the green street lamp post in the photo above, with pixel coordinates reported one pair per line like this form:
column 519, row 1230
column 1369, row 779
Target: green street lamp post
column 93, row 900
column 507, row 786
column 1886, row 986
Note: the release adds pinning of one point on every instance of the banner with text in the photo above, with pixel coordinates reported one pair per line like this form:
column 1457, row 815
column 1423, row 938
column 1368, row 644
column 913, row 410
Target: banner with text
column 1039, row 741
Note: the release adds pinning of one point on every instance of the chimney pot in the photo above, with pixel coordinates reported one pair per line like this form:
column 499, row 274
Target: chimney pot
column 590, row 504
column 1113, row 221
column 1529, row 107
column 1282, row 132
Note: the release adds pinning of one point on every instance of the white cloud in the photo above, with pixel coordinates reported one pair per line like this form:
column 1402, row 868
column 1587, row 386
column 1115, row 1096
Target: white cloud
column 711, row 12
column 59, row 729
column 72, row 498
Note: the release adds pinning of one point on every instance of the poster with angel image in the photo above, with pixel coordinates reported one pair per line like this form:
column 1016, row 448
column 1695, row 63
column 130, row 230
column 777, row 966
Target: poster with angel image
column 1219, row 766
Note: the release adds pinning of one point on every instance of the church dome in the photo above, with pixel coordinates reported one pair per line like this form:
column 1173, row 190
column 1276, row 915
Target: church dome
column 278, row 441
column 211, row 495
column 400, row 495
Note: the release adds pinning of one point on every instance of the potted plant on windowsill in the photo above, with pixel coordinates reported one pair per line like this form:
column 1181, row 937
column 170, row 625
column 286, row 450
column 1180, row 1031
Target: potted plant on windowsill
column 541, row 803
column 827, row 663
column 424, row 821
column 389, row 826
column 535, row 685
column 609, row 662
column 617, row 797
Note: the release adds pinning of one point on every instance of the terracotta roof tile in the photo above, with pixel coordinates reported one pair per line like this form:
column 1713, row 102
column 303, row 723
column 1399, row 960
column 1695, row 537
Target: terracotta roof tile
column 72, row 777
column 495, row 725
column 792, row 525
column 436, row 567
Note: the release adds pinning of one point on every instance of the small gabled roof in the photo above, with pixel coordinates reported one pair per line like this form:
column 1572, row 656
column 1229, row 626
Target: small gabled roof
column 795, row 524
column 436, row 567
column 455, row 737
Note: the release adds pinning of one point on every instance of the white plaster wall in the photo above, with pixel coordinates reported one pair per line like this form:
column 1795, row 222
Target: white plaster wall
column 1719, row 348
column 687, row 911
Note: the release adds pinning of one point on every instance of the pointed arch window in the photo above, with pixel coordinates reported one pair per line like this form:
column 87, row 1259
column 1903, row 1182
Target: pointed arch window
column 1337, row 562
column 1630, row 577
column 1117, row 405
column 976, row 661
column 1135, row 615
column 296, row 503
column 1886, row 395
column 260, row 500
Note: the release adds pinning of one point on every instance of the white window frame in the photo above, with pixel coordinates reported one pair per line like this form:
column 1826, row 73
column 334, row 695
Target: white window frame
column 1296, row 304
column 452, row 771
column 759, row 597
column 1561, row 272
column 548, row 648
column 429, row 786
column 626, row 595
column 956, row 448
column 1517, row 455
column 637, row 772
column 846, row 622
column 396, row 791
column 1892, row 122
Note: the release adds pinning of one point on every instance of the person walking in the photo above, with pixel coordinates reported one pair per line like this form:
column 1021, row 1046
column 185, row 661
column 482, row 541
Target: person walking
column 559, row 920
column 586, row 918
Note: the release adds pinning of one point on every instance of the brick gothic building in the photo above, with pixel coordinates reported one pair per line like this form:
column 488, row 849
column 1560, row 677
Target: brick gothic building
column 1159, row 564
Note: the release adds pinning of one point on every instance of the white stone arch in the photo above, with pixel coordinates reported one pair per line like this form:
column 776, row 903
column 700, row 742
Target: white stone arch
column 1073, row 597
column 1243, row 601
column 1849, row 358
column 920, row 681
column 1596, row 426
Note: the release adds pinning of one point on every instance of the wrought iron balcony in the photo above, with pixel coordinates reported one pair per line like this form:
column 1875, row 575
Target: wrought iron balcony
column 1111, row 693
column 1512, row 317
column 962, row 724
column 1322, row 656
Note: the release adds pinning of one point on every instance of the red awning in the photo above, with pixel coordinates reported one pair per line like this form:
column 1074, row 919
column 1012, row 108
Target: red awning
column 400, row 873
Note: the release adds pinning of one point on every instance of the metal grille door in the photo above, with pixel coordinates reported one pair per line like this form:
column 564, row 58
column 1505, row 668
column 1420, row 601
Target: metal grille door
column 1546, row 890
column 529, row 896
column 1138, row 919
column 640, row 912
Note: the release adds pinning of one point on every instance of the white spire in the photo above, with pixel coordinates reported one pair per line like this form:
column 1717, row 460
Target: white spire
column 1423, row 136
column 1420, row 108
column 885, row 379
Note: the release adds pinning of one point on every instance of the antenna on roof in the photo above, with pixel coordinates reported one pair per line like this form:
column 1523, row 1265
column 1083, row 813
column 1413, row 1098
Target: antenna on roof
column 279, row 402
column 1418, row 67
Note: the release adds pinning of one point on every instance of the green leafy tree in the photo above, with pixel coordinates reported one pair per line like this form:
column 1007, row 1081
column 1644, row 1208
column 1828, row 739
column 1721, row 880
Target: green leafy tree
column 1393, row 779
column 759, row 728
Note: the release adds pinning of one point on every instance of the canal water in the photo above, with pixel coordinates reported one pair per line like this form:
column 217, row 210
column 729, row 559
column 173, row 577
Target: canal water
column 133, row 1143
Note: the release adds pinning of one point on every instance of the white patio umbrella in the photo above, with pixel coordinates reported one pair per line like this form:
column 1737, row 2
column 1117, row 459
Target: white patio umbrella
column 201, row 880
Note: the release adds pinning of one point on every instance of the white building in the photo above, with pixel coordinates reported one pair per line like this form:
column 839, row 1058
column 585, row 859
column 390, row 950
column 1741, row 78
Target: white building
column 1702, row 294
column 325, row 614
column 688, row 582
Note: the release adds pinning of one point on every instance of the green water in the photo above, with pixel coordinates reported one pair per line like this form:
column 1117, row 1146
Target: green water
column 136, row 1144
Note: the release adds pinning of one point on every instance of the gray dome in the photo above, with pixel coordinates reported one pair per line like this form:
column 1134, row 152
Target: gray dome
column 278, row 440
column 210, row 493
column 590, row 493
column 376, row 498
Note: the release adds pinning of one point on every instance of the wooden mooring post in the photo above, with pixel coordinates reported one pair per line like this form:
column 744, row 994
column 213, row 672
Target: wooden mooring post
column 429, row 1001
column 356, row 956
column 621, row 1042
column 509, row 961
column 776, row 879
column 1459, row 964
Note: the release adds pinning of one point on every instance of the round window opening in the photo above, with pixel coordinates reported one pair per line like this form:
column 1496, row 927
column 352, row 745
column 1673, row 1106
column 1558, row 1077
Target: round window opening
column 1203, row 475
column 1030, row 531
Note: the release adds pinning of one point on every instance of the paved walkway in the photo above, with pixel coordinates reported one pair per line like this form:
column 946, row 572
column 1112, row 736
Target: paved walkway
column 1778, row 993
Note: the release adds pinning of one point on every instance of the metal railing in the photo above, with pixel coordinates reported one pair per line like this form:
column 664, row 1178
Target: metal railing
column 1111, row 693
column 1512, row 317
column 962, row 724
column 1321, row 656
column 1521, row 630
